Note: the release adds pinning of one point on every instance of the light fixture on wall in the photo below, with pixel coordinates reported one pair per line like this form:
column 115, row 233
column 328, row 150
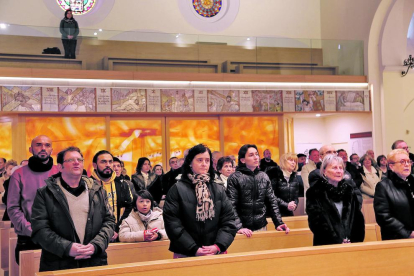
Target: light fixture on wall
column 409, row 63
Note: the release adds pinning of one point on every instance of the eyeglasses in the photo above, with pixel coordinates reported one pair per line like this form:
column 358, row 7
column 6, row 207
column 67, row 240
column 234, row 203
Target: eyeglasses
column 402, row 162
column 72, row 160
column 406, row 148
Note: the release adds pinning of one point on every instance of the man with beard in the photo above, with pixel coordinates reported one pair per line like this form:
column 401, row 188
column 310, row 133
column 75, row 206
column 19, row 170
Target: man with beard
column 267, row 161
column 119, row 194
column 23, row 185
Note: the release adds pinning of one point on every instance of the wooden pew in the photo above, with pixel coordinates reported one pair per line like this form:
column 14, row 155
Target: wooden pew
column 13, row 267
column 368, row 210
column 144, row 252
column 45, row 61
column 5, row 235
column 295, row 222
column 373, row 258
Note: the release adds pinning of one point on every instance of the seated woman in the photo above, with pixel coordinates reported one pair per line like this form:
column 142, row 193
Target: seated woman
column 199, row 218
column 286, row 183
column 144, row 179
column 334, row 213
column 383, row 165
column 225, row 169
column 394, row 198
column 370, row 176
column 145, row 223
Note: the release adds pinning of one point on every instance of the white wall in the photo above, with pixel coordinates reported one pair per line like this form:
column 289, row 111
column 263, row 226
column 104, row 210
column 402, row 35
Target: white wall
column 334, row 130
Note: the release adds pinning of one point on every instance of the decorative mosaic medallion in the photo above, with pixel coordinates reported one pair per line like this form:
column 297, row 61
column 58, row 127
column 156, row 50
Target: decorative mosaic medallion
column 207, row 8
column 77, row 6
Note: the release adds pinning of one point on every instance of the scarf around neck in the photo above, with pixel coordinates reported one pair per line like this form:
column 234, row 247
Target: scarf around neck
column 36, row 165
column 69, row 20
column 145, row 218
column 205, row 205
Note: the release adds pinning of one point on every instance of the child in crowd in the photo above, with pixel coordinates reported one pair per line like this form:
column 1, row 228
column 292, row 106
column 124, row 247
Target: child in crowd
column 145, row 223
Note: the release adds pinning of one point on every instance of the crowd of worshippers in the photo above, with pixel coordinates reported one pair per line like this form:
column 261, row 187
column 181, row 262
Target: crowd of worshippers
column 201, row 203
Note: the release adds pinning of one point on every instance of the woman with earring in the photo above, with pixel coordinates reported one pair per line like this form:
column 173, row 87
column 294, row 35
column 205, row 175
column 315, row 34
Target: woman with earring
column 199, row 218
column 334, row 214
column 69, row 29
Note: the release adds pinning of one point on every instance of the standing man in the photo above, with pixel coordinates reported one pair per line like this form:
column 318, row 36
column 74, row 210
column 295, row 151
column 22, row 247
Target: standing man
column 371, row 153
column 307, row 169
column 354, row 158
column 267, row 160
column 216, row 155
column 250, row 192
column 355, row 174
column 118, row 193
column 71, row 220
column 23, row 185
column 2, row 166
column 401, row 144
column 301, row 162
column 169, row 179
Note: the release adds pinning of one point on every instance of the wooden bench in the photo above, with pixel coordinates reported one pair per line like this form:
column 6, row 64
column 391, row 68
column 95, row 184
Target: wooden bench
column 373, row 258
column 28, row 61
column 368, row 210
column 13, row 267
column 286, row 69
column 144, row 252
column 291, row 222
column 230, row 66
column 5, row 235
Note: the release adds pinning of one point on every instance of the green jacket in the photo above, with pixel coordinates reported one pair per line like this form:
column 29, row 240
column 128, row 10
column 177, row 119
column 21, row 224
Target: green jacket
column 54, row 230
column 69, row 29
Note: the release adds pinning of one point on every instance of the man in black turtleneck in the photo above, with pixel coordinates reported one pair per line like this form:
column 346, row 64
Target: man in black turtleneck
column 24, row 183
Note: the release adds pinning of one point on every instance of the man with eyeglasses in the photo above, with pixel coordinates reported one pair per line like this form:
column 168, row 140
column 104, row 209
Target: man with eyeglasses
column 401, row 144
column 119, row 195
column 394, row 198
column 71, row 220
column 23, row 185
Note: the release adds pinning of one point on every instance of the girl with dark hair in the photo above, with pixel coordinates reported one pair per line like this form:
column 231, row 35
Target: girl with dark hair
column 158, row 170
column 145, row 224
column 69, row 29
column 199, row 218
column 383, row 165
column 144, row 179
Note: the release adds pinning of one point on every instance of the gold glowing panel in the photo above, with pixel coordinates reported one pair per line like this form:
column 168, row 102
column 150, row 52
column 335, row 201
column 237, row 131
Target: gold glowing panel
column 185, row 134
column 132, row 139
column 261, row 131
column 86, row 133
column 6, row 140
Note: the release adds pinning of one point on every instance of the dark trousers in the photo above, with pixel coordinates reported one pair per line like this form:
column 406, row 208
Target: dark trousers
column 24, row 243
column 70, row 47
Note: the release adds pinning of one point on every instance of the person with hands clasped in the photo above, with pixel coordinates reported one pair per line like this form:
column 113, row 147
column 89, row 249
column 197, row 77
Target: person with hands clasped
column 199, row 218
column 249, row 189
column 145, row 224
column 71, row 220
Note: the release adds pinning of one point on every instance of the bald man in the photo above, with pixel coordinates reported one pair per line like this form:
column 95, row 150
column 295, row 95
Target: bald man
column 24, row 183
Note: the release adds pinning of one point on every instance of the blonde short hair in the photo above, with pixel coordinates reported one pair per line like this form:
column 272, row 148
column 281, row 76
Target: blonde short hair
column 391, row 156
column 284, row 159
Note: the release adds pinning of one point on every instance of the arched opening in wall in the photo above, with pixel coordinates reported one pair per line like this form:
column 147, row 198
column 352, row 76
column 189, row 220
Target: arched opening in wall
column 410, row 37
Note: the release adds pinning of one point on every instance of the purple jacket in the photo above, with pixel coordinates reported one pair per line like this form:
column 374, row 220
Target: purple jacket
column 22, row 190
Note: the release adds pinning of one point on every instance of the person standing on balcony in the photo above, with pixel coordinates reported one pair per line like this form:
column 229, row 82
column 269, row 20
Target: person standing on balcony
column 69, row 29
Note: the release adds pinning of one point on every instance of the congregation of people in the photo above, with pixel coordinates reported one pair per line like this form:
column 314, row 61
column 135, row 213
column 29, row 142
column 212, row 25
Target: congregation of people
column 201, row 203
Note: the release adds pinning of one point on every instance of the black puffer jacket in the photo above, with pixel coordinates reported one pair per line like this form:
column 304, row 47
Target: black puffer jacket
column 285, row 191
column 54, row 230
column 394, row 207
column 250, row 192
column 154, row 186
column 324, row 220
column 187, row 234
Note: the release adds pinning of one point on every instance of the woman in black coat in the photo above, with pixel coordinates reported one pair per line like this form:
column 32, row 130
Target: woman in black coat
column 144, row 179
column 334, row 214
column 286, row 183
column 198, row 216
column 394, row 198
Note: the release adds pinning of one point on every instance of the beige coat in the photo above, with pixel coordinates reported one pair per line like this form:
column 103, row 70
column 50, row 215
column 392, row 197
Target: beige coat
column 132, row 228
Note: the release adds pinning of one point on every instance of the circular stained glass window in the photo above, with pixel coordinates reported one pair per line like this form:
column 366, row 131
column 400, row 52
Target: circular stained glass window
column 207, row 8
column 77, row 6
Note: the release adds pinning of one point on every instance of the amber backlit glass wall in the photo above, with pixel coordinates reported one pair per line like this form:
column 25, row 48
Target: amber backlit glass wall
column 132, row 139
column 6, row 140
column 261, row 131
column 187, row 133
column 86, row 133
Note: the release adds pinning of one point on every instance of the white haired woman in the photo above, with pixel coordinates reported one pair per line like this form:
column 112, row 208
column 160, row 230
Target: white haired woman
column 394, row 198
column 334, row 213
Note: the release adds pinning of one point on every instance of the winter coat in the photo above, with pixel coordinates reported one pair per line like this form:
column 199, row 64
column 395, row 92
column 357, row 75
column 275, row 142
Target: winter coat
column 132, row 228
column 285, row 191
column 187, row 234
column 54, row 229
column 169, row 179
column 327, row 225
column 368, row 188
column 154, row 185
column 69, row 29
column 394, row 207
column 249, row 192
